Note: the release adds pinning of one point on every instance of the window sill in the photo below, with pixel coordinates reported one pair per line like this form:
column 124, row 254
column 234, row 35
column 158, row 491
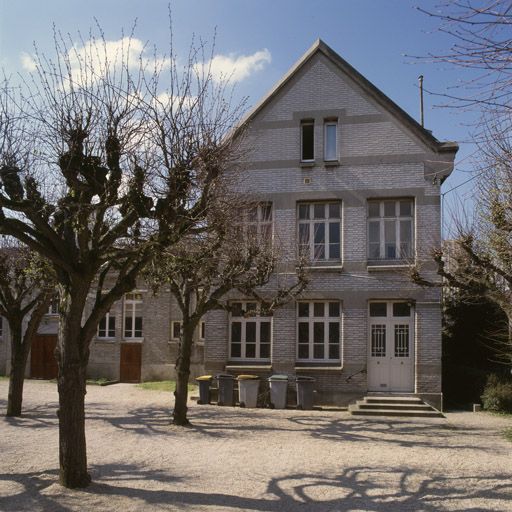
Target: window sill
column 311, row 367
column 376, row 267
column 331, row 163
column 105, row 340
column 325, row 268
column 307, row 164
column 249, row 366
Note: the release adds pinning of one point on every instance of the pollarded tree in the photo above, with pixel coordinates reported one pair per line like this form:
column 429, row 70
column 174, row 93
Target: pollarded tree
column 100, row 167
column 231, row 255
column 478, row 261
column 26, row 289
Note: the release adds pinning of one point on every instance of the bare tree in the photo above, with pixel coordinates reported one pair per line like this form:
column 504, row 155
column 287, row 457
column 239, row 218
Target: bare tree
column 481, row 32
column 478, row 261
column 100, row 166
column 26, row 289
column 229, row 256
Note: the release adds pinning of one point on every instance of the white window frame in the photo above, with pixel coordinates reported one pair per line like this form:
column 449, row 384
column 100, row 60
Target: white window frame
column 390, row 322
column 107, row 329
column 133, row 304
column 259, row 225
column 328, row 157
column 202, row 331
column 303, row 124
column 53, row 308
column 397, row 218
column 326, row 319
column 326, row 221
column 244, row 320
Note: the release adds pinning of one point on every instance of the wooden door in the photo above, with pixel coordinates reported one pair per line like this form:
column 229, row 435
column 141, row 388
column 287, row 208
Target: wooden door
column 43, row 364
column 130, row 362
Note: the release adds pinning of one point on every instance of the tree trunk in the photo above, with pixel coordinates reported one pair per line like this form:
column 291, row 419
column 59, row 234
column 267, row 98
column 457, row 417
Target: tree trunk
column 17, row 375
column 182, row 376
column 72, row 444
column 72, row 355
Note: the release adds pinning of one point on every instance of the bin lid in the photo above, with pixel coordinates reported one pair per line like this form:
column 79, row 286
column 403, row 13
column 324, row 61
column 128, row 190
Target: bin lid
column 204, row 377
column 224, row 376
column 247, row 377
column 278, row 377
column 304, row 378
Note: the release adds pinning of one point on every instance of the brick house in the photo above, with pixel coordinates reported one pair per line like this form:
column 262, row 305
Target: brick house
column 343, row 174
column 347, row 177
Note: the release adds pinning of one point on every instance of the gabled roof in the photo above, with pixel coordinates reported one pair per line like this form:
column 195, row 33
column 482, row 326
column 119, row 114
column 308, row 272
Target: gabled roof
column 389, row 105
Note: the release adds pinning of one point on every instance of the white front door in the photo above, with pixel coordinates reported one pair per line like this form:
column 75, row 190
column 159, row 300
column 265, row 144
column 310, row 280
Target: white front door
column 391, row 347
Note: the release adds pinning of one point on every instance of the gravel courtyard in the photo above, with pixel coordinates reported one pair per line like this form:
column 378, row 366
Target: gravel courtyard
column 252, row 459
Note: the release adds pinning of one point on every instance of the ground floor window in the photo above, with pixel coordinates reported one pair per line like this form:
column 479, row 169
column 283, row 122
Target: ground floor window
column 133, row 315
column 250, row 332
column 107, row 326
column 319, row 330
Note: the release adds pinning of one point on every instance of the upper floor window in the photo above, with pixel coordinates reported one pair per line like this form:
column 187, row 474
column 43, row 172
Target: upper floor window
column 320, row 231
column 318, row 324
column 202, row 331
column 107, row 326
column 307, row 141
column 53, row 308
column 255, row 222
column 330, row 140
column 250, row 333
column 390, row 229
column 133, row 315
column 259, row 221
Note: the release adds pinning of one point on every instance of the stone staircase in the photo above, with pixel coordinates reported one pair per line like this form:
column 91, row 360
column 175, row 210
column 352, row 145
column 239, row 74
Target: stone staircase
column 391, row 405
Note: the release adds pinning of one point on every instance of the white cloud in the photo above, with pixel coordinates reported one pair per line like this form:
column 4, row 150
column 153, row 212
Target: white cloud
column 237, row 68
column 174, row 102
column 95, row 58
column 28, row 62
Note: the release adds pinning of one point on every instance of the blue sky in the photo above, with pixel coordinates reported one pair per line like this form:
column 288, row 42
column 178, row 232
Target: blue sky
column 264, row 39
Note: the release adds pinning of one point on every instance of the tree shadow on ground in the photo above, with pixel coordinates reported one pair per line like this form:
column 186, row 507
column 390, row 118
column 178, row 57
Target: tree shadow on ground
column 354, row 488
column 404, row 433
column 233, row 423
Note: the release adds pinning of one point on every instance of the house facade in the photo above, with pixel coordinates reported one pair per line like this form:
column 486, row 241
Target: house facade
column 342, row 176
column 352, row 182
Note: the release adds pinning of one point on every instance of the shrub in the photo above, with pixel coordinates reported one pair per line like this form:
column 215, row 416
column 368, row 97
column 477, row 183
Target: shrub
column 497, row 395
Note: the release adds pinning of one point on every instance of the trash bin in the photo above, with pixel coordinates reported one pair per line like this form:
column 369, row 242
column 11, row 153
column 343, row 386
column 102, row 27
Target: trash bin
column 305, row 392
column 204, row 389
column 248, row 386
column 278, row 386
column 226, row 389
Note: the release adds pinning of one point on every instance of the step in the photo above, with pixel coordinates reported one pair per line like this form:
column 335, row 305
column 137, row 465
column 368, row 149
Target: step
column 393, row 406
column 393, row 399
column 404, row 413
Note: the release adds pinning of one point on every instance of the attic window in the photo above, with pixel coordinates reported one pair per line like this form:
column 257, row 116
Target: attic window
column 307, row 141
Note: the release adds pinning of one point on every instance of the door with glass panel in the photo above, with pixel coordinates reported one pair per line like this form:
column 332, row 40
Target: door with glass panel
column 391, row 347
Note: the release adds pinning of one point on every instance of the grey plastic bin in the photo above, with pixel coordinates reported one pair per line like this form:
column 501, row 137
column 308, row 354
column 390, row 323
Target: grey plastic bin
column 278, row 385
column 226, row 389
column 204, row 389
column 305, row 388
column 248, row 386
